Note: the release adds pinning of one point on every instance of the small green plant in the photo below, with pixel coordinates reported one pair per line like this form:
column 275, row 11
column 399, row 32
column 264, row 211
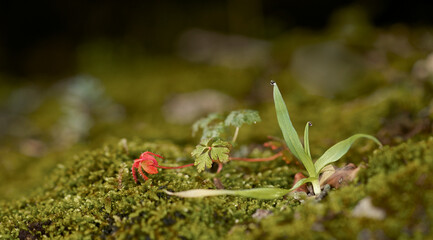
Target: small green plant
column 241, row 117
column 301, row 152
column 214, row 125
column 209, row 151
column 213, row 147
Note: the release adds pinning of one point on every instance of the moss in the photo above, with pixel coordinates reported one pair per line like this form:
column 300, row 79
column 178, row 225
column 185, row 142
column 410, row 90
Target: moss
column 403, row 189
column 95, row 197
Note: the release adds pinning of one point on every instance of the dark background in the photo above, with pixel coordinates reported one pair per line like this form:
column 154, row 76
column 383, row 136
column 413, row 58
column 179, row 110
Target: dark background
column 41, row 37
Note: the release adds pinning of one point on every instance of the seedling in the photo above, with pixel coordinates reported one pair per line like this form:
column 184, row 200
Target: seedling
column 214, row 124
column 211, row 150
column 212, row 147
column 301, row 152
column 239, row 118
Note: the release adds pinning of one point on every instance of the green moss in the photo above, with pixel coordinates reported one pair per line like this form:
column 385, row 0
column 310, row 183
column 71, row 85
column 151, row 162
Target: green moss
column 96, row 196
column 403, row 189
column 92, row 194
column 86, row 198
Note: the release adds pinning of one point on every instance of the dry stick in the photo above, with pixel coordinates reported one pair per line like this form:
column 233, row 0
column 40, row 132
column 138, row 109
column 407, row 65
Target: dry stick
column 258, row 159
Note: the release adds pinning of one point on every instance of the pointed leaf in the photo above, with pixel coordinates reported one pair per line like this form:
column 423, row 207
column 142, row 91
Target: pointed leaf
column 289, row 132
column 196, row 193
column 334, row 153
column 258, row 193
column 306, row 139
column 302, row 182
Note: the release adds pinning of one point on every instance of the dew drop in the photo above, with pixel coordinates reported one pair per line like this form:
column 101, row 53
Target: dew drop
column 273, row 83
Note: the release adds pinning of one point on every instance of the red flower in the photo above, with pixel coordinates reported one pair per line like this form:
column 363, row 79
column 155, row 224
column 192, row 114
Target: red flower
column 146, row 162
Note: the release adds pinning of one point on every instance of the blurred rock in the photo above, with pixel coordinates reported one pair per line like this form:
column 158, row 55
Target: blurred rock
column 32, row 148
column 83, row 102
column 261, row 213
column 327, row 68
column 232, row 51
column 396, row 43
column 423, row 68
column 188, row 107
column 365, row 209
column 13, row 113
column 24, row 100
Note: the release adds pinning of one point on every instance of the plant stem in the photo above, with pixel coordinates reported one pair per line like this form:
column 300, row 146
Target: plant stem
column 273, row 157
column 220, row 167
column 183, row 166
column 316, row 187
column 235, row 136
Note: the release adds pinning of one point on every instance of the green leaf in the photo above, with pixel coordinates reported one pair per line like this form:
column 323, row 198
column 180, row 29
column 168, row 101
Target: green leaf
column 213, row 131
column 306, row 139
column 334, row 153
column 241, row 117
column 289, row 132
column 210, row 150
column 258, row 193
column 202, row 159
column 211, row 125
column 196, row 193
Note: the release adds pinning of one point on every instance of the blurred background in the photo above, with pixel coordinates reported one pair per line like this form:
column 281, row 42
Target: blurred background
column 82, row 74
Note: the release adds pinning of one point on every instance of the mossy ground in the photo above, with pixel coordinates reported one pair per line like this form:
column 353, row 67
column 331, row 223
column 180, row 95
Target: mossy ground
column 96, row 197
column 87, row 191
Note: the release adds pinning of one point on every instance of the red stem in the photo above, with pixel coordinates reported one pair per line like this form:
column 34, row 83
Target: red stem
column 183, row 166
column 273, row 157
column 220, row 167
